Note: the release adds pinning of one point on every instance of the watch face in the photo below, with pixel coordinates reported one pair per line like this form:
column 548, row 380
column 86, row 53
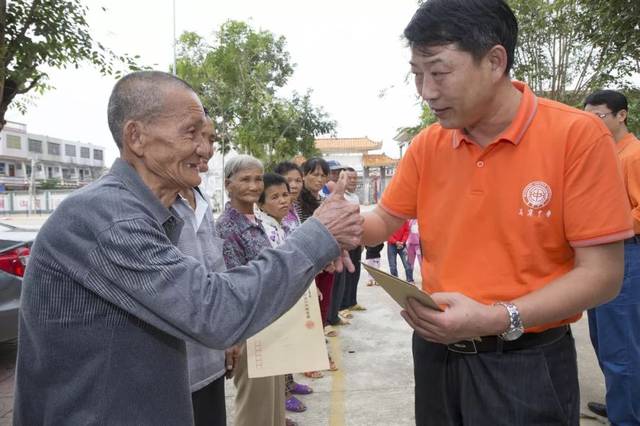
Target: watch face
column 512, row 334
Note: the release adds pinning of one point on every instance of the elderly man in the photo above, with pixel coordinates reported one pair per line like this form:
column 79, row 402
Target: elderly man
column 207, row 366
column 522, row 218
column 109, row 301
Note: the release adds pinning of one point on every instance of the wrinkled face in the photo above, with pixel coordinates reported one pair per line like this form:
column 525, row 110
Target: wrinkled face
column 613, row 121
column 169, row 145
column 315, row 180
column 276, row 201
column 352, row 181
column 294, row 179
column 245, row 186
column 457, row 88
column 205, row 149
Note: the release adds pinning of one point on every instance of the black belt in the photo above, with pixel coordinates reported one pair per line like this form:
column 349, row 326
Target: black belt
column 633, row 240
column 496, row 344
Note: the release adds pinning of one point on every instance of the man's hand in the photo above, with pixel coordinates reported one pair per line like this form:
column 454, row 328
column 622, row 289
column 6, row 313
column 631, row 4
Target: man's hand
column 231, row 357
column 341, row 218
column 399, row 245
column 462, row 319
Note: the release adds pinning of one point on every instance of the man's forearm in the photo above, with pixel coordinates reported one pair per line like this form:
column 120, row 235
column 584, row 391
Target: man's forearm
column 378, row 226
column 592, row 282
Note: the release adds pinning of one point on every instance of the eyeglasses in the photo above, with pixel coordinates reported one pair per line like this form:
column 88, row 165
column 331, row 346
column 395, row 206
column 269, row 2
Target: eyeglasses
column 603, row 114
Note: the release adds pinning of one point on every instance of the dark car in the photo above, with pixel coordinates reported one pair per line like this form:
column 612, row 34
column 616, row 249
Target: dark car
column 15, row 246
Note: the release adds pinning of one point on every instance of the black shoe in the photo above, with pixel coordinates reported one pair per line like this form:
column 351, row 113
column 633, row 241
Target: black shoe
column 597, row 408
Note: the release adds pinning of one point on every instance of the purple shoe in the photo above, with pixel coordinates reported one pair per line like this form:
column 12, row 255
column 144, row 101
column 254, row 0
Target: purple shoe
column 300, row 389
column 293, row 404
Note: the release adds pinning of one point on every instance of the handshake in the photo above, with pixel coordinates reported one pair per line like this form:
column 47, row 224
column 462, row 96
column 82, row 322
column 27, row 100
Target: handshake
column 343, row 220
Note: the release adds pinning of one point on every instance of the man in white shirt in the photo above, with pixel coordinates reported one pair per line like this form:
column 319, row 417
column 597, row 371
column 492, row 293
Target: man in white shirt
column 349, row 300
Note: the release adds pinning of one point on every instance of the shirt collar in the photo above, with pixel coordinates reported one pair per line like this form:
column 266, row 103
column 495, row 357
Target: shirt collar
column 200, row 211
column 239, row 219
column 524, row 116
column 624, row 142
column 134, row 183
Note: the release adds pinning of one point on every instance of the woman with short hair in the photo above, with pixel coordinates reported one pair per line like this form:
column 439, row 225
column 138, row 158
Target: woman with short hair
column 259, row 401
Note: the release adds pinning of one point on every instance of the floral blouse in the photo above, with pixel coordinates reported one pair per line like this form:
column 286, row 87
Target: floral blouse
column 243, row 239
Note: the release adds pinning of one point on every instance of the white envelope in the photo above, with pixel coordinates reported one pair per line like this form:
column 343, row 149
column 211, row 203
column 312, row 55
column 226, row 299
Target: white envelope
column 294, row 343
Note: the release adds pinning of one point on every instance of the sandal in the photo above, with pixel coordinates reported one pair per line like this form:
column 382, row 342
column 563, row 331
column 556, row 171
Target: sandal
column 313, row 375
column 345, row 314
column 294, row 405
column 300, row 389
column 330, row 331
column 342, row 322
column 332, row 365
column 357, row 307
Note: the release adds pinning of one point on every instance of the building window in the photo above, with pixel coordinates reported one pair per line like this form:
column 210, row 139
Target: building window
column 53, row 148
column 35, row 146
column 85, row 152
column 14, row 142
column 2, row 169
column 70, row 150
column 28, row 170
column 97, row 154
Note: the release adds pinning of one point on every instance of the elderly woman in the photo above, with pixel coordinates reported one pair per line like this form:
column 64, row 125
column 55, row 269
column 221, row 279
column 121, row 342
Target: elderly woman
column 258, row 401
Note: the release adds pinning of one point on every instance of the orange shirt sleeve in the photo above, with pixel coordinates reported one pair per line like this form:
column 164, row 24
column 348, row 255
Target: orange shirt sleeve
column 400, row 198
column 632, row 177
column 596, row 208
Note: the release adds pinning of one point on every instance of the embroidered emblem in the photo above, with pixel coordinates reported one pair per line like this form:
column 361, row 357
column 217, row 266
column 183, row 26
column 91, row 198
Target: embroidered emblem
column 536, row 195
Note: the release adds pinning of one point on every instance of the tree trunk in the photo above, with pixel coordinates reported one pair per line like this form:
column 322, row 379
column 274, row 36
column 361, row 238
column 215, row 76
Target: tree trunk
column 3, row 50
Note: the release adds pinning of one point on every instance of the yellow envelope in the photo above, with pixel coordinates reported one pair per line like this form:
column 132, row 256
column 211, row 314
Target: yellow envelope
column 294, row 343
column 400, row 290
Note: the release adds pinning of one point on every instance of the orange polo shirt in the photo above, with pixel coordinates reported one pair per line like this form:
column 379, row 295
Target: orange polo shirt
column 499, row 222
column 629, row 155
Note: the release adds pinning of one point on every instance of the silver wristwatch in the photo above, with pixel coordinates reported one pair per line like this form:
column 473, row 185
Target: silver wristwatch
column 516, row 328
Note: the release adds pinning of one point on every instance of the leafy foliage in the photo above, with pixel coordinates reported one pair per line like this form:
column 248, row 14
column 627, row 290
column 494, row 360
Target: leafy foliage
column 35, row 34
column 568, row 48
column 238, row 78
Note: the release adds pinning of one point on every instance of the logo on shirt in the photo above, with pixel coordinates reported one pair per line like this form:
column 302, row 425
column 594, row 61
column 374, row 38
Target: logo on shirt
column 536, row 195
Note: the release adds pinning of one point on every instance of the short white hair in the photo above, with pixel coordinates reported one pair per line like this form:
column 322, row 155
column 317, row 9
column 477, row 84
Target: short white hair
column 239, row 163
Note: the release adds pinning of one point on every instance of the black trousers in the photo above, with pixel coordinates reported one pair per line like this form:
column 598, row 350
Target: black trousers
column 534, row 386
column 209, row 406
column 337, row 293
column 350, row 297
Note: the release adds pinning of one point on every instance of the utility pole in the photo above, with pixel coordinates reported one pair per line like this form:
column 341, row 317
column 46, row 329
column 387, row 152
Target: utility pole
column 175, row 71
column 32, row 186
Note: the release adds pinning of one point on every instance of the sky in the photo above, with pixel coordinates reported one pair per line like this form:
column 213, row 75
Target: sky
column 347, row 51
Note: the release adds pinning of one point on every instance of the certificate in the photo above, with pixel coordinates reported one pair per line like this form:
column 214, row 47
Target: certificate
column 400, row 290
column 294, row 343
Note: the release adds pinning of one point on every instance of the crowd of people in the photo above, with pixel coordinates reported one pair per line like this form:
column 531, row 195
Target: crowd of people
column 136, row 304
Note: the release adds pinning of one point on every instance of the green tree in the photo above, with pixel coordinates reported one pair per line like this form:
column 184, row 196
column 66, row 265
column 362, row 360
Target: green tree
column 427, row 118
column 238, row 77
column 36, row 34
column 569, row 48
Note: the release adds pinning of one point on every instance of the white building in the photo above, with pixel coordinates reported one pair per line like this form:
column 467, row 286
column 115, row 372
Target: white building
column 374, row 170
column 70, row 164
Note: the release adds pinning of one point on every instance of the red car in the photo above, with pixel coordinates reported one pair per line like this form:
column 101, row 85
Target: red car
column 15, row 246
